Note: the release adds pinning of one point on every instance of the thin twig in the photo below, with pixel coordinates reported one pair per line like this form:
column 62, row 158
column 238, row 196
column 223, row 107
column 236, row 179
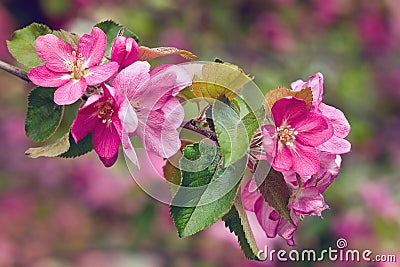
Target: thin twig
column 20, row 73
column 190, row 125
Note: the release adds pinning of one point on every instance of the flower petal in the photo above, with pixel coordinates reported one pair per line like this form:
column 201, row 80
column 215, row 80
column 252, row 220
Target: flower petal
column 335, row 145
column 70, row 92
column 316, row 83
column 130, row 79
column 124, row 51
column 249, row 199
column 85, row 122
column 338, row 120
column 174, row 112
column 108, row 162
column 92, row 47
column 305, row 160
column 106, row 140
column 313, row 130
column 268, row 223
column 289, row 110
column 158, row 136
column 309, row 201
column 54, row 51
column 98, row 74
column 128, row 117
column 42, row 76
column 286, row 230
column 283, row 159
column 129, row 150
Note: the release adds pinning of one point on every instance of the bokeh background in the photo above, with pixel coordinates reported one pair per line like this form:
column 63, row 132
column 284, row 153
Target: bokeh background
column 58, row 212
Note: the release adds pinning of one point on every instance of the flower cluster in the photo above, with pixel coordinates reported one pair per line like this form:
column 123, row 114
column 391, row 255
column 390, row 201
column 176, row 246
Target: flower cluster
column 124, row 96
column 303, row 142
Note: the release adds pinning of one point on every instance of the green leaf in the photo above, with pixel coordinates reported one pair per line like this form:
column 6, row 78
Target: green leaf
column 43, row 116
column 218, row 79
column 273, row 188
column 84, row 146
column 208, row 190
column 236, row 221
column 22, row 44
column 231, row 131
column 112, row 31
column 51, row 150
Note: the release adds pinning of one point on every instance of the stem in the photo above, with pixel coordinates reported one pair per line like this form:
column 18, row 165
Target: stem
column 20, row 73
column 190, row 125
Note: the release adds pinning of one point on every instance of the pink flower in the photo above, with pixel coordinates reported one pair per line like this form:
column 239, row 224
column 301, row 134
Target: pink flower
column 99, row 116
column 149, row 109
column 341, row 127
column 71, row 70
column 124, row 51
column 269, row 219
column 292, row 141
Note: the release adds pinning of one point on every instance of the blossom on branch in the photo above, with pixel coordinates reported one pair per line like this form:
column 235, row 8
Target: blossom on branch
column 72, row 70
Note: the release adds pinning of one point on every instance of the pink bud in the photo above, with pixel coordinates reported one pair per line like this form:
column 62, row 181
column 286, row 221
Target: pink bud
column 124, row 51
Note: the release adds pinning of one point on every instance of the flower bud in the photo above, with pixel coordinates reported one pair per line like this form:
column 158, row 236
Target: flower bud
column 124, row 51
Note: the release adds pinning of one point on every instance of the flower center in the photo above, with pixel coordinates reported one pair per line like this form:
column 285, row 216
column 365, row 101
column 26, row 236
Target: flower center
column 286, row 134
column 105, row 111
column 75, row 66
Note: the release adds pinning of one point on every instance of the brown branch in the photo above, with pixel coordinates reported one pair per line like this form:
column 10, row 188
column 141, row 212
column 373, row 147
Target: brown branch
column 190, row 125
column 20, row 73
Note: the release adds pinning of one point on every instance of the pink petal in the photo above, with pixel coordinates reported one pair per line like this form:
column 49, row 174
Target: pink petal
column 268, row 223
column 338, row 120
column 268, row 141
column 106, row 140
column 309, row 201
column 98, row 74
column 129, row 150
column 70, row 92
column 108, row 162
column 329, row 170
column 84, row 123
column 156, row 88
column 130, row 79
column 44, row 77
column 54, row 52
column 286, row 230
column 290, row 110
column 298, row 85
column 183, row 77
column 283, row 160
column 335, row 145
column 313, row 130
column 124, row 51
column 174, row 112
column 316, row 83
column 157, row 136
column 92, row 47
column 128, row 117
column 305, row 160
column 249, row 198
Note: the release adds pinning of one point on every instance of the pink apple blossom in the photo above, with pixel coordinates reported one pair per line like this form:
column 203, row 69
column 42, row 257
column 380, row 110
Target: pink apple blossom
column 72, row 70
column 99, row 116
column 291, row 142
column 341, row 127
column 269, row 219
column 124, row 51
column 149, row 109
